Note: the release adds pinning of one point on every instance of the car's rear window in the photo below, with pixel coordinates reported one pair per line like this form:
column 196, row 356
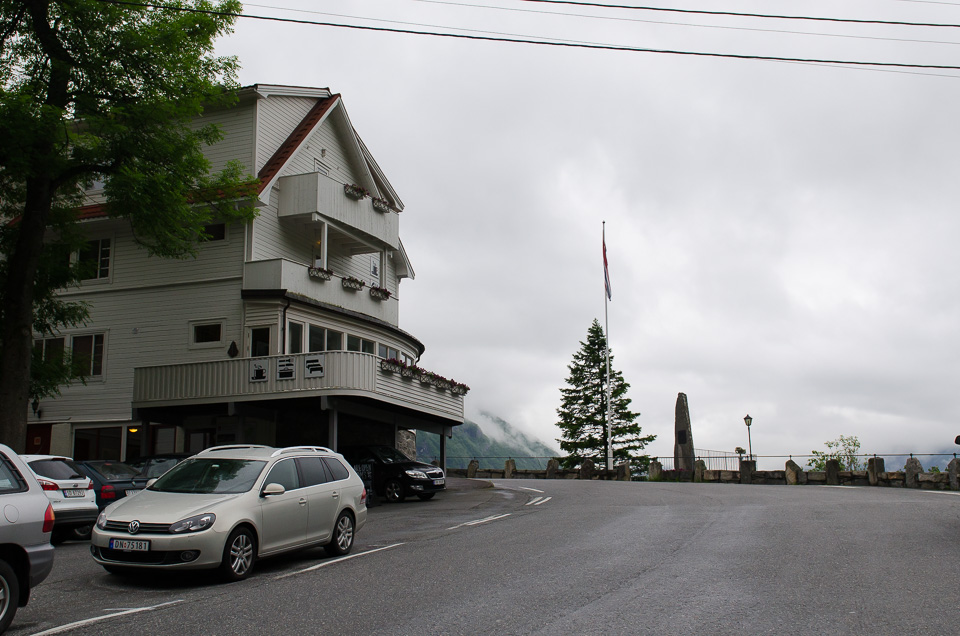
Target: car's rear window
column 156, row 467
column 10, row 478
column 210, row 475
column 56, row 468
column 114, row 470
column 338, row 470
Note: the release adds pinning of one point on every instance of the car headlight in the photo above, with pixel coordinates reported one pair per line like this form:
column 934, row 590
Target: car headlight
column 416, row 474
column 102, row 520
column 193, row 524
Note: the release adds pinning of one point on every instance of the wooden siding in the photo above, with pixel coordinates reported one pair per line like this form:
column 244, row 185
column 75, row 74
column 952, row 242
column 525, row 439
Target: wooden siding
column 345, row 373
column 238, row 142
column 277, row 116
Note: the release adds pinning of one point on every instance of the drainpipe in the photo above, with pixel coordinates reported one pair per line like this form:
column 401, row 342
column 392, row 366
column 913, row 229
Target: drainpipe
column 283, row 329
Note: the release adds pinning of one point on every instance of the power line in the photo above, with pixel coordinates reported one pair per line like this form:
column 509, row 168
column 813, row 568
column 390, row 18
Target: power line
column 516, row 40
column 640, row 20
column 744, row 15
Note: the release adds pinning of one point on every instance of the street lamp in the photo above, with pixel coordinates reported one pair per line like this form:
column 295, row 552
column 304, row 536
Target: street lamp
column 748, row 421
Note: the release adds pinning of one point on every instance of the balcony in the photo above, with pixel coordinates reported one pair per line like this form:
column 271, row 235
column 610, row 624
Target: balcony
column 279, row 273
column 313, row 198
column 331, row 373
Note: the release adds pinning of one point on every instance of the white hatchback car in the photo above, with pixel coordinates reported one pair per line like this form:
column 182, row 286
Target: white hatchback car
column 71, row 493
column 227, row 506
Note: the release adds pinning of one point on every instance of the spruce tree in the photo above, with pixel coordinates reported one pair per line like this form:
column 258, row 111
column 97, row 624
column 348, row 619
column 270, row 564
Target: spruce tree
column 583, row 410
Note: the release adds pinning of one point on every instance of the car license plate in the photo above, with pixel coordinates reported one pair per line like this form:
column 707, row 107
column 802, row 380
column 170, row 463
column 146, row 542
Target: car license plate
column 74, row 493
column 437, row 482
column 133, row 492
column 129, row 546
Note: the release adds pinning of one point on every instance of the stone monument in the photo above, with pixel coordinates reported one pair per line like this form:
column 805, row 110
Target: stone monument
column 683, row 453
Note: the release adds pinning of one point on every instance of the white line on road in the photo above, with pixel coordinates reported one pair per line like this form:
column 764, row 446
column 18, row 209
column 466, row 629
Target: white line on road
column 842, row 486
column 477, row 522
column 941, row 492
column 533, row 501
column 68, row 627
column 543, row 501
column 533, row 489
column 332, row 561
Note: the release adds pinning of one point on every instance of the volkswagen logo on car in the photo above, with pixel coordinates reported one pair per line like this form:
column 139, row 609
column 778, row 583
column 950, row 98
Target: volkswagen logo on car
column 134, row 527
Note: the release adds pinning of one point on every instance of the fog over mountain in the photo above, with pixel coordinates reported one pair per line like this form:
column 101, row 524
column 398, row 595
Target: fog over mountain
column 491, row 441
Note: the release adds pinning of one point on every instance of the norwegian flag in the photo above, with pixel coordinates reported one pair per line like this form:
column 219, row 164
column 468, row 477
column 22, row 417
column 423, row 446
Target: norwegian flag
column 606, row 271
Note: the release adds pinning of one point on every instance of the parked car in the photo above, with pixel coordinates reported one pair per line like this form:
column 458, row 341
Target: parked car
column 228, row 506
column 71, row 493
column 26, row 556
column 155, row 465
column 394, row 475
column 112, row 480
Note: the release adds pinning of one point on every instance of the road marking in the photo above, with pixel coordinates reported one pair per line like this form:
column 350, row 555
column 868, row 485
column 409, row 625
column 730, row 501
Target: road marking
column 543, row 501
column 89, row 621
column 337, row 560
column 477, row 522
column 532, row 489
column 941, row 492
column 533, row 502
column 830, row 486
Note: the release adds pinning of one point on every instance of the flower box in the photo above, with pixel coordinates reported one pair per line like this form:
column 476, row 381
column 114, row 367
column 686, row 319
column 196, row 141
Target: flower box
column 320, row 273
column 353, row 284
column 391, row 366
column 381, row 205
column 354, row 191
column 379, row 293
column 458, row 388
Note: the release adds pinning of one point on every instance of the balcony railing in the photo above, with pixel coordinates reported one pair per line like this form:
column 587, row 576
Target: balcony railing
column 304, row 196
column 330, row 373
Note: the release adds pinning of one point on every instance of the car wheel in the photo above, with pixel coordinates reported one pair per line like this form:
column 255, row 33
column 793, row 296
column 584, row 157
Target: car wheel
column 82, row 533
column 427, row 496
column 9, row 595
column 394, row 491
column 239, row 553
column 342, row 540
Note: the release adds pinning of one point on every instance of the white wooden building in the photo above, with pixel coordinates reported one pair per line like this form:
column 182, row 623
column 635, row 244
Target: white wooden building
column 264, row 336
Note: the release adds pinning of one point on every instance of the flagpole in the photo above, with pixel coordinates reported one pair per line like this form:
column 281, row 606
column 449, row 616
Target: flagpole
column 606, row 320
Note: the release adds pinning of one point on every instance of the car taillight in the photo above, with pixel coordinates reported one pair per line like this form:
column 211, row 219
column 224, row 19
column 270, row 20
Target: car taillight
column 363, row 497
column 48, row 485
column 108, row 492
column 48, row 519
column 90, row 485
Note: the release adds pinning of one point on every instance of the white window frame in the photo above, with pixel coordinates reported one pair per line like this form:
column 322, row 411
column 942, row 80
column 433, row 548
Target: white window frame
column 75, row 259
column 192, row 324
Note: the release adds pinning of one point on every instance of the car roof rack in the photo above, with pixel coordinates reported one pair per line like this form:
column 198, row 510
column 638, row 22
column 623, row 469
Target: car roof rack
column 298, row 449
column 231, row 447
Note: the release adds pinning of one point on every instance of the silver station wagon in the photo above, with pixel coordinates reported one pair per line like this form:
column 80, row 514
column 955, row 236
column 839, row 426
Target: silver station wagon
column 228, row 506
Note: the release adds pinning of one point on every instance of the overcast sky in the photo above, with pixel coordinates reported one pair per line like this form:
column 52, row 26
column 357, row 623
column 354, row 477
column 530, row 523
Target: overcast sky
column 781, row 236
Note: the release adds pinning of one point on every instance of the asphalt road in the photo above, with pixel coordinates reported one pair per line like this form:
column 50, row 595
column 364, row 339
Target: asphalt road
column 567, row 557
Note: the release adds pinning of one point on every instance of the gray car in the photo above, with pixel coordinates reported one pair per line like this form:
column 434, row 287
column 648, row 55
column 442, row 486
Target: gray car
column 230, row 505
column 26, row 556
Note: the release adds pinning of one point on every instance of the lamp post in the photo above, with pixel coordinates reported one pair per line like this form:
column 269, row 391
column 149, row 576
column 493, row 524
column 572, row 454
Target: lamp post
column 748, row 421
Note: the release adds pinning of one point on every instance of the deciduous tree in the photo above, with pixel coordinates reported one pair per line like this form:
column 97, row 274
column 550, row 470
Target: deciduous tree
column 94, row 90
column 845, row 449
column 583, row 409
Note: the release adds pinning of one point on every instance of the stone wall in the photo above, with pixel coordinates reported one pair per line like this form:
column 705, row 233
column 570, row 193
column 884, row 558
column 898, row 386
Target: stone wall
column 553, row 471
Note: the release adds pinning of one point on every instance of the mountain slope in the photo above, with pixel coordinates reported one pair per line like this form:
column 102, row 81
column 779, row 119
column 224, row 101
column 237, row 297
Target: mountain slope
column 470, row 442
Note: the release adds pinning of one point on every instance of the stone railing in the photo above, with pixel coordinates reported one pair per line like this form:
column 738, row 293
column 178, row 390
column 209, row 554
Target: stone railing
column 912, row 476
column 553, row 471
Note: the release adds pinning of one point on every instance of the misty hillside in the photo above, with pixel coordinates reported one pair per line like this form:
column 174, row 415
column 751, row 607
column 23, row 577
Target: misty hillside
column 471, row 442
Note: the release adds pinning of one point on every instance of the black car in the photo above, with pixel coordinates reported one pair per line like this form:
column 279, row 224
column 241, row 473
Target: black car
column 393, row 475
column 112, row 480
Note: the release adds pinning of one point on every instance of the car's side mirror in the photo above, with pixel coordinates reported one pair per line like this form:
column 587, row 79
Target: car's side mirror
column 151, row 482
column 272, row 489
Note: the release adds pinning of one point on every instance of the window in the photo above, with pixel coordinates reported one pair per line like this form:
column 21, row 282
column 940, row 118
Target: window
column 94, row 260
column 313, row 471
column 356, row 343
column 334, row 340
column 88, row 354
column 50, row 349
column 10, row 478
column 207, row 333
column 315, row 338
column 97, row 443
column 285, row 474
column 387, row 352
column 260, row 342
column 294, row 337
column 214, row 232
column 336, row 469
